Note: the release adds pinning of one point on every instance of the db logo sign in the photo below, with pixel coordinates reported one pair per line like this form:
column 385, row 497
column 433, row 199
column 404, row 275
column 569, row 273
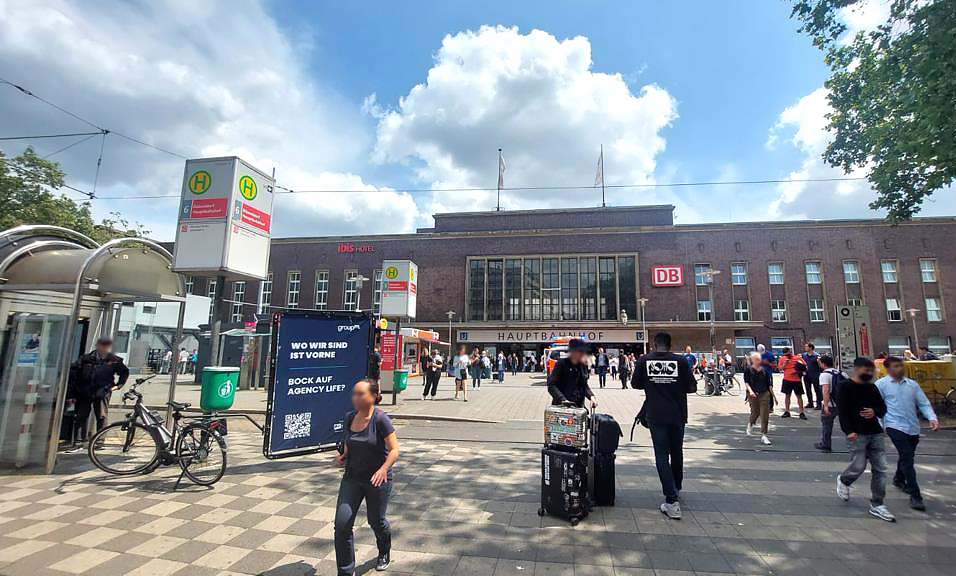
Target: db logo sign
column 661, row 368
column 667, row 276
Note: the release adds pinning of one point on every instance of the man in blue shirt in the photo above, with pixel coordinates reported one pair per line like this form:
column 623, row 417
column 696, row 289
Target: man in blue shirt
column 905, row 401
column 768, row 357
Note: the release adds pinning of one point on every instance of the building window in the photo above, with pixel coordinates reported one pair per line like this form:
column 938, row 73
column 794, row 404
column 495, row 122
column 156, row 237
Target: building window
column 744, row 346
column 322, row 290
column 265, row 295
column 893, row 311
column 814, row 273
column 851, row 272
column 532, row 289
column 854, row 302
column 550, row 289
column 588, row 274
column 188, row 285
column 211, row 293
column 292, row 294
column 704, row 310
column 822, row 345
column 927, row 270
column 377, row 291
column 607, row 284
column 888, row 268
column 476, row 290
column 775, row 272
column 742, row 310
column 513, row 289
column 934, row 312
column 778, row 310
column 238, row 297
column 897, row 345
column 738, row 274
column 817, row 313
column 938, row 344
column 569, row 288
column 627, row 285
column 496, row 284
column 780, row 343
column 350, row 292
column 702, row 274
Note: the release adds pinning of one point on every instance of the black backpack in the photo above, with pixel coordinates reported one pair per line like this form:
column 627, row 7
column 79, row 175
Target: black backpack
column 607, row 433
column 838, row 380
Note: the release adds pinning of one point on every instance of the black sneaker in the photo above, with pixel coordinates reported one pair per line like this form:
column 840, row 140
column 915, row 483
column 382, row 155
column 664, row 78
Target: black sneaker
column 901, row 486
column 383, row 561
column 803, row 416
column 785, row 415
column 917, row 504
column 822, row 448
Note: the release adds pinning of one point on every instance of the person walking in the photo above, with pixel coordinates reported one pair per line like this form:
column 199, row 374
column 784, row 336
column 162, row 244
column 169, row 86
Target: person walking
column 811, row 378
column 830, row 380
column 625, row 370
column 475, row 367
column 860, row 408
column 423, row 362
column 462, row 364
column 568, row 382
column 759, row 383
column 370, row 450
column 792, row 368
column 905, row 402
column 375, row 364
column 514, row 364
column 434, row 369
column 502, row 366
column 601, row 366
column 615, row 365
column 666, row 380
column 92, row 378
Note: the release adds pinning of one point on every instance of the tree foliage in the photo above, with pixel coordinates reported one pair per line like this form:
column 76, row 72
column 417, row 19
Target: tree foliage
column 893, row 95
column 28, row 185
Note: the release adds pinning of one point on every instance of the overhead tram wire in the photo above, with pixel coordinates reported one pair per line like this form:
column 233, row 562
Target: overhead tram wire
column 41, row 136
column 27, row 172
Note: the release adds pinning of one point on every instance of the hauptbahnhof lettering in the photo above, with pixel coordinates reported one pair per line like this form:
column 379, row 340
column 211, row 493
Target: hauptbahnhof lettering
column 517, row 279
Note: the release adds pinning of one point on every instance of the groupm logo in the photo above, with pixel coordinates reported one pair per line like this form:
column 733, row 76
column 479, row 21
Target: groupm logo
column 200, row 182
column 349, row 328
column 662, row 368
column 247, row 187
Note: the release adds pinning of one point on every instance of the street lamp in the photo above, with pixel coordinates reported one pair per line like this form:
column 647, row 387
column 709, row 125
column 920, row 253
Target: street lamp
column 912, row 313
column 709, row 275
column 643, row 302
column 450, row 314
column 359, row 281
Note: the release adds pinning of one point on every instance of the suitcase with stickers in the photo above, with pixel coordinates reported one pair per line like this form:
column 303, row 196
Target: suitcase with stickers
column 566, row 427
column 564, row 484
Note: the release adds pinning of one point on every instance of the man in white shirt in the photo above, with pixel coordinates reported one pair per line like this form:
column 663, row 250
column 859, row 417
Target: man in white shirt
column 183, row 358
column 461, row 363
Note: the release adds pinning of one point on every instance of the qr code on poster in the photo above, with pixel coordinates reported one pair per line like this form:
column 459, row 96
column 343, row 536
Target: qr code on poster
column 297, row 425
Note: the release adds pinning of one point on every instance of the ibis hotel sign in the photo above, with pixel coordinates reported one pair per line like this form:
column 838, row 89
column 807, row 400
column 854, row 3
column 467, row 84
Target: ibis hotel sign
column 225, row 219
column 399, row 288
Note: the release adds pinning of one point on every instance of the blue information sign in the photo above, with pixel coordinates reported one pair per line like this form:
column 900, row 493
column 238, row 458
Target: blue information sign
column 316, row 359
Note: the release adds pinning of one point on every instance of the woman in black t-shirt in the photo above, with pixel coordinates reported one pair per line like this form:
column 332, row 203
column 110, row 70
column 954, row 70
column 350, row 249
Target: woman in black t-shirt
column 759, row 381
column 371, row 448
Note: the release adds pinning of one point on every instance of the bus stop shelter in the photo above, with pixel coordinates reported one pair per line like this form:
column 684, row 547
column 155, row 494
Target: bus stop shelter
column 59, row 292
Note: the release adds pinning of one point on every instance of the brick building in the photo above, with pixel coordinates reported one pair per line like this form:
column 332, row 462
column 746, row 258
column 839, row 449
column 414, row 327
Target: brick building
column 517, row 278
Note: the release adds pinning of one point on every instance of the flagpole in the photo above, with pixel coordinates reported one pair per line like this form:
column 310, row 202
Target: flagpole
column 603, row 205
column 498, row 205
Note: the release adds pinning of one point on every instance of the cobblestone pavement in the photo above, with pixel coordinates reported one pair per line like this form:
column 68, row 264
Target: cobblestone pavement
column 465, row 503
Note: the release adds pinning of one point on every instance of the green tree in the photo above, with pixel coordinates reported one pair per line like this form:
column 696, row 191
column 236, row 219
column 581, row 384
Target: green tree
column 28, row 185
column 893, row 94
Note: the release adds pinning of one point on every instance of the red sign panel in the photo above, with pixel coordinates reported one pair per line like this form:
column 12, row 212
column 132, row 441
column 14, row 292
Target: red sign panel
column 389, row 346
column 255, row 218
column 396, row 286
column 667, row 276
column 203, row 208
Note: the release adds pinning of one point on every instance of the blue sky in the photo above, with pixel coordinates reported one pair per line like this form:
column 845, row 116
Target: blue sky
column 370, row 97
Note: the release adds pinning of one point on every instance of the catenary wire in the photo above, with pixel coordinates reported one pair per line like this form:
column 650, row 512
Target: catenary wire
column 68, row 146
column 41, row 136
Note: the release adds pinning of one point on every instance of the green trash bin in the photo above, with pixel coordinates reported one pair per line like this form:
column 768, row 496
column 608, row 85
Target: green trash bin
column 399, row 380
column 218, row 390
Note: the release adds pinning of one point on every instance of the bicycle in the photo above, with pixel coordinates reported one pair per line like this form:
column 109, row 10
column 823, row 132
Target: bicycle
column 723, row 382
column 141, row 443
column 949, row 403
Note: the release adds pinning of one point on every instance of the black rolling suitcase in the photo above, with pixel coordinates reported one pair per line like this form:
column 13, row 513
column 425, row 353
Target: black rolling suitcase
column 605, row 437
column 604, row 479
column 564, row 484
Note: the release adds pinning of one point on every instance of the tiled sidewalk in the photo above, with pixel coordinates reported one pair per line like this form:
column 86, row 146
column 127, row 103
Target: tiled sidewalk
column 470, row 508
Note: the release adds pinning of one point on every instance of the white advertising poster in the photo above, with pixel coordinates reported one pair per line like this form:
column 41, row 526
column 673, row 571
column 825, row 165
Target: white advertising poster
column 399, row 288
column 225, row 219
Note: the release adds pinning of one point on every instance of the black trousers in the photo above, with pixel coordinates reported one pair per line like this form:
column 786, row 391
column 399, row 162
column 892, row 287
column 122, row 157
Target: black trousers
column 82, row 407
column 813, row 386
column 431, row 381
column 351, row 494
column 602, row 377
column 826, row 429
column 905, row 464
column 668, row 442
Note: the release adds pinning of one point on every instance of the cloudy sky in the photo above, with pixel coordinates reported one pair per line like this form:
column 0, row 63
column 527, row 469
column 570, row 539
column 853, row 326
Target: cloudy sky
column 392, row 100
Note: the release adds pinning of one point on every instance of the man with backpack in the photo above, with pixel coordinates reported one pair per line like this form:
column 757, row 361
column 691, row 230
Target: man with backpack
column 93, row 377
column 831, row 380
column 666, row 380
column 793, row 369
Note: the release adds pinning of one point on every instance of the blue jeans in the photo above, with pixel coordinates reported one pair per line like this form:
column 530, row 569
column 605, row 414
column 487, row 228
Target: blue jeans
column 351, row 494
column 668, row 442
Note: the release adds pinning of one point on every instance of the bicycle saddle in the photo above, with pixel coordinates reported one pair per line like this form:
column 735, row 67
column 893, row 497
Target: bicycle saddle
column 178, row 405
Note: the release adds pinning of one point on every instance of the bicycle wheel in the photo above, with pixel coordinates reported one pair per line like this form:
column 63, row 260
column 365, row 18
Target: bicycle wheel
column 123, row 449
column 731, row 386
column 202, row 454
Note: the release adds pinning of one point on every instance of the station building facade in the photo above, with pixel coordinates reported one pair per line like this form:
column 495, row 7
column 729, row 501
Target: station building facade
column 515, row 280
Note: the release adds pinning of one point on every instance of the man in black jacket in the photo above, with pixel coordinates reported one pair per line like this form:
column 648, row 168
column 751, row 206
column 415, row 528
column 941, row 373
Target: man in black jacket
column 92, row 378
column 860, row 406
column 568, row 382
column 666, row 380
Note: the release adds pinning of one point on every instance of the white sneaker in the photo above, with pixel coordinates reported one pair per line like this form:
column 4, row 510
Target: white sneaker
column 750, row 429
column 882, row 512
column 843, row 491
column 764, row 440
column 672, row 511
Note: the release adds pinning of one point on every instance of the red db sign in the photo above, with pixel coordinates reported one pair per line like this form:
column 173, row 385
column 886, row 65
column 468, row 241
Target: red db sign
column 667, row 276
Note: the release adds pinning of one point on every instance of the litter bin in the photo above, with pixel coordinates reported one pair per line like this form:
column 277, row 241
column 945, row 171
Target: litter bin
column 218, row 388
column 399, row 380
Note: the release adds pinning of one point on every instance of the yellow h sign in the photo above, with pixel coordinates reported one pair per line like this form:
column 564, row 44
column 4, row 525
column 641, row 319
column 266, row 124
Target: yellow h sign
column 247, row 187
column 200, row 182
